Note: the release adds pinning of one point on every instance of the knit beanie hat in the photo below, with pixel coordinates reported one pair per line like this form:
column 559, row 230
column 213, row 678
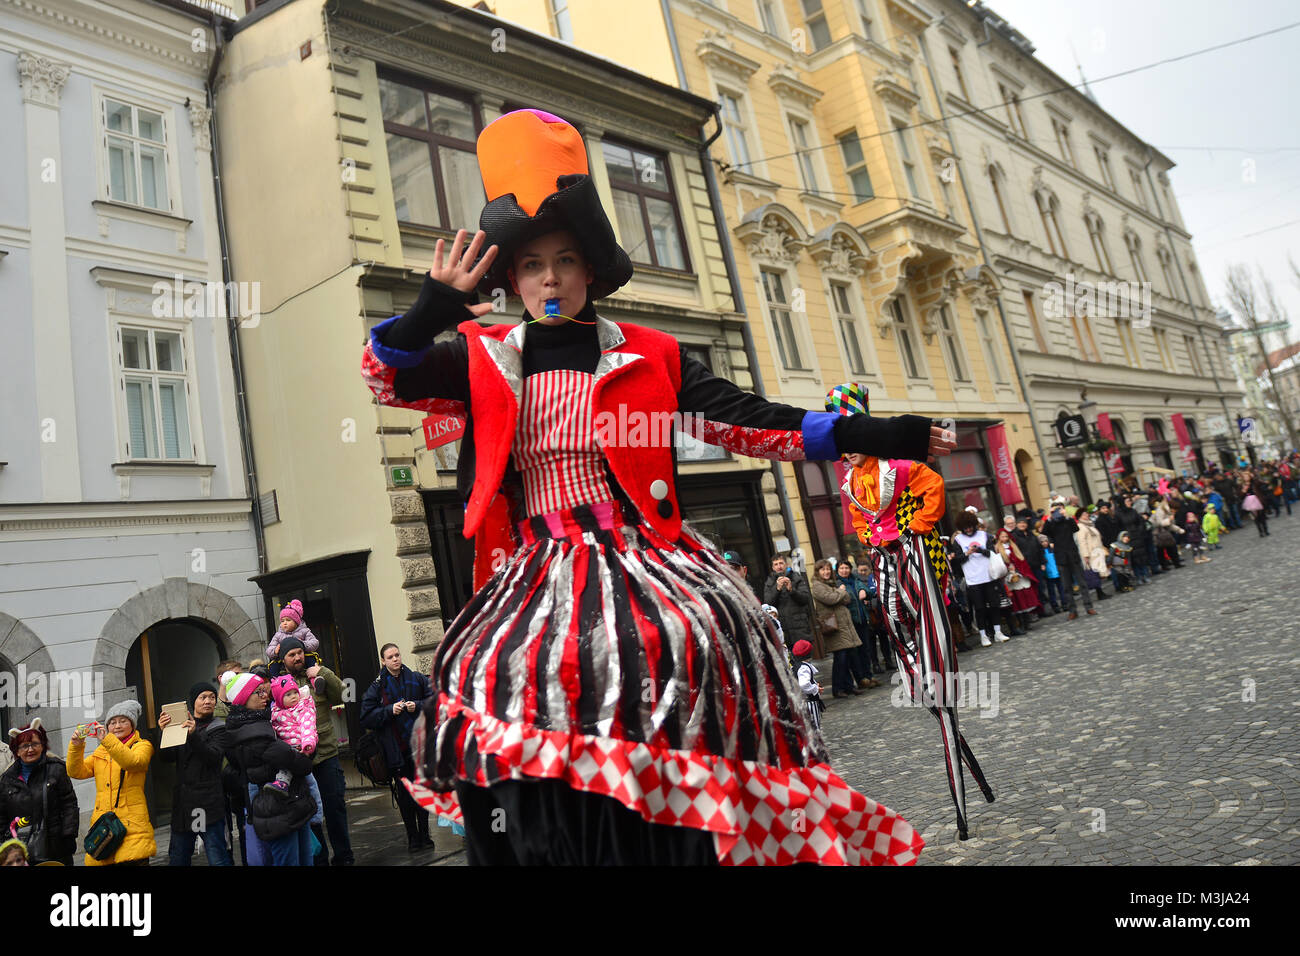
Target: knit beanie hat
column 202, row 687
column 34, row 729
column 14, row 842
column 288, row 644
column 281, row 686
column 240, row 687
column 293, row 610
column 130, row 709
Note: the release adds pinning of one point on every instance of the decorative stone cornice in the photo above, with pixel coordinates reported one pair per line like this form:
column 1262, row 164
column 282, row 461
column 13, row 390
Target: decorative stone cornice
column 838, row 255
column 772, row 239
column 42, row 79
column 785, row 83
column 200, row 123
column 146, row 36
column 893, row 89
column 718, row 52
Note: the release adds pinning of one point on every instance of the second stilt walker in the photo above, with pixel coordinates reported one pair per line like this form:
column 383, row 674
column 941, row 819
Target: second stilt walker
column 895, row 505
column 613, row 692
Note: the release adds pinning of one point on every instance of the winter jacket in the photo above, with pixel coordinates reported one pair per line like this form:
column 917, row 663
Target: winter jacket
column 1028, row 544
column 792, row 606
column 1049, row 564
column 1061, row 529
column 829, row 599
column 126, row 799
column 257, row 753
column 1108, row 527
column 310, row 642
column 377, row 711
column 1088, row 540
column 641, row 372
column 1211, row 525
column 48, row 789
column 858, row 609
column 198, row 787
column 327, row 743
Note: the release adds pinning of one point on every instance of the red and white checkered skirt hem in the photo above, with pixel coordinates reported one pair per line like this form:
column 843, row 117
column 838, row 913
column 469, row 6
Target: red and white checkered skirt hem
column 758, row 814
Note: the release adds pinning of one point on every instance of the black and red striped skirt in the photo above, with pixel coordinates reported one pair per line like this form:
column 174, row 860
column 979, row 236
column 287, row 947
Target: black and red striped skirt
column 627, row 666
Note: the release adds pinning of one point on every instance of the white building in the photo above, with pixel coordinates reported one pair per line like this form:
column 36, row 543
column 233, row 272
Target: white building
column 126, row 544
column 1099, row 283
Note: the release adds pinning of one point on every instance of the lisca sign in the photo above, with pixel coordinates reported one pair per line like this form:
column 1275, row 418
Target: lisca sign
column 441, row 429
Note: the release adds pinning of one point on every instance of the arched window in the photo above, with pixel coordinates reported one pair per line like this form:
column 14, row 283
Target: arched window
column 995, row 178
column 1167, row 268
column 1049, row 209
column 1097, row 235
column 1134, row 245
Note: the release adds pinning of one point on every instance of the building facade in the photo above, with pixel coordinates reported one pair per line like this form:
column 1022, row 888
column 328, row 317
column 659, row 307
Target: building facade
column 126, row 540
column 1107, row 308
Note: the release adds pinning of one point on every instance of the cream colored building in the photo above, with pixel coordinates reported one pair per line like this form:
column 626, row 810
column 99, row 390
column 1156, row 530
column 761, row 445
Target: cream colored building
column 853, row 245
column 347, row 133
column 1071, row 203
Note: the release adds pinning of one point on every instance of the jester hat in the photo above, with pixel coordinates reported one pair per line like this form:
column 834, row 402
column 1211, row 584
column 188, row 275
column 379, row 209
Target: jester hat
column 847, row 399
column 536, row 178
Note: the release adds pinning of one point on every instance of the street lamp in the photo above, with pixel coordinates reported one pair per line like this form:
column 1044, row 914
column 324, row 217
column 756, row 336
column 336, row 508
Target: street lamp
column 1088, row 409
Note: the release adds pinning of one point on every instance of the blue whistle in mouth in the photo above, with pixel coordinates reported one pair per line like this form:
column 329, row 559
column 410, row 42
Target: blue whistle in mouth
column 552, row 306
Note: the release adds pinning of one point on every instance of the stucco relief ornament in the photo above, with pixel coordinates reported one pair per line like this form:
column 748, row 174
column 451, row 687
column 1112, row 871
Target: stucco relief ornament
column 42, row 79
column 839, row 259
column 772, row 241
column 200, row 117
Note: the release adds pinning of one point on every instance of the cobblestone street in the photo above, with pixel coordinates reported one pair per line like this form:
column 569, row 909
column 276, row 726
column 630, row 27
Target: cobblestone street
column 1172, row 711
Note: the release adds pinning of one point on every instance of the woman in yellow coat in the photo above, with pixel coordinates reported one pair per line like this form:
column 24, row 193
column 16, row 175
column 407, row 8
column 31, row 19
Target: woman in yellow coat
column 122, row 749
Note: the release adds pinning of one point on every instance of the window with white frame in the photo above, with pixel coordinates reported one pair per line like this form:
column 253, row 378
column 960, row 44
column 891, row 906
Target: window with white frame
column 814, row 17
column 842, row 303
column 1096, row 233
column 855, row 166
column 135, row 154
column 778, row 308
column 560, row 19
column 1139, row 191
column 800, row 136
column 154, row 389
column 1103, row 164
column 864, row 17
column 992, row 354
column 1063, row 140
column 1162, row 347
column 767, row 17
column 1193, row 356
column 1035, row 326
column 1132, row 358
column 1135, row 256
column 1167, row 268
column 905, row 336
column 735, row 122
column 905, row 156
column 952, row 346
column 1015, row 119
column 995, row 180
column 1048, row 209
column 955, row 56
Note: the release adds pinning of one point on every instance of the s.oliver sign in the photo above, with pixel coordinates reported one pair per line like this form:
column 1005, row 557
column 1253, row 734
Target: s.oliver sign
column 1004, row 467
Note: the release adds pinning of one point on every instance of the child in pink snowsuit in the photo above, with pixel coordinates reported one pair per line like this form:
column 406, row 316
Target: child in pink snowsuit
column 293, row 717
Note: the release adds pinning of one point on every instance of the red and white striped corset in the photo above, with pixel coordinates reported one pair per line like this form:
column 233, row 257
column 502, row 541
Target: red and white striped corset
column 555, row 445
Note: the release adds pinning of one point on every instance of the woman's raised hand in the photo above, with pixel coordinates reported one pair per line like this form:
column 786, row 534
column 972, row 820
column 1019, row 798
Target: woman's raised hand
column 459, row 271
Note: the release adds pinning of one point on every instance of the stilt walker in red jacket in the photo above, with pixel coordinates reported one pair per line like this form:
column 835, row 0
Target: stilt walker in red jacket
column 613, row 692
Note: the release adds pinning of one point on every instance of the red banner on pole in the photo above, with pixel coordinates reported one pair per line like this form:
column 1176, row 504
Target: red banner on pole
column 441, row 429
column 1104, row 428
column 1186, row 452
column 1004, row 467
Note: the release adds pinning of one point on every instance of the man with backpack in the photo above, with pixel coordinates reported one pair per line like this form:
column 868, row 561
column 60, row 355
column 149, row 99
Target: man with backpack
column 389, row 708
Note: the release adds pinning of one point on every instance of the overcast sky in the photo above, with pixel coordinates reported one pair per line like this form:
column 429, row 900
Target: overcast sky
column 1241, row 103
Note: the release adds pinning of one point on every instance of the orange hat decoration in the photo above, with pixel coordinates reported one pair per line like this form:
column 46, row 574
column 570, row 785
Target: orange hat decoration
column 536, row 179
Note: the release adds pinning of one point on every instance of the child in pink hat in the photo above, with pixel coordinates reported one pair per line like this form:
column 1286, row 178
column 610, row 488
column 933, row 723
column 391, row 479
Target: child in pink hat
column 293, row 717
column 291, row 625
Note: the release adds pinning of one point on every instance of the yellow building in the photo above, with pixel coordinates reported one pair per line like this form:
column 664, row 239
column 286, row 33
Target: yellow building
column 346, row 143
column 853, row 241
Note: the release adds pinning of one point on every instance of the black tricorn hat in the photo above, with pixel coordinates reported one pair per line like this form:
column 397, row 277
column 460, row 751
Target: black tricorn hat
column 535, row 176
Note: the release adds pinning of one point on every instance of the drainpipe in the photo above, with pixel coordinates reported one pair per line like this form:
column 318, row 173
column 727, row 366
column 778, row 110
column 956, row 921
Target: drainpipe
column 232, row 307
column 729, row 259
column 1187, row 289
column 984, row 254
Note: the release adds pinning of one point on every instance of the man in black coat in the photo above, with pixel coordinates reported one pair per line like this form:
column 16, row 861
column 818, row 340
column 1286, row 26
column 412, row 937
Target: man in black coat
column 1060, row 527
column 787, row 591
column 198, row 799
column 1107, row 524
